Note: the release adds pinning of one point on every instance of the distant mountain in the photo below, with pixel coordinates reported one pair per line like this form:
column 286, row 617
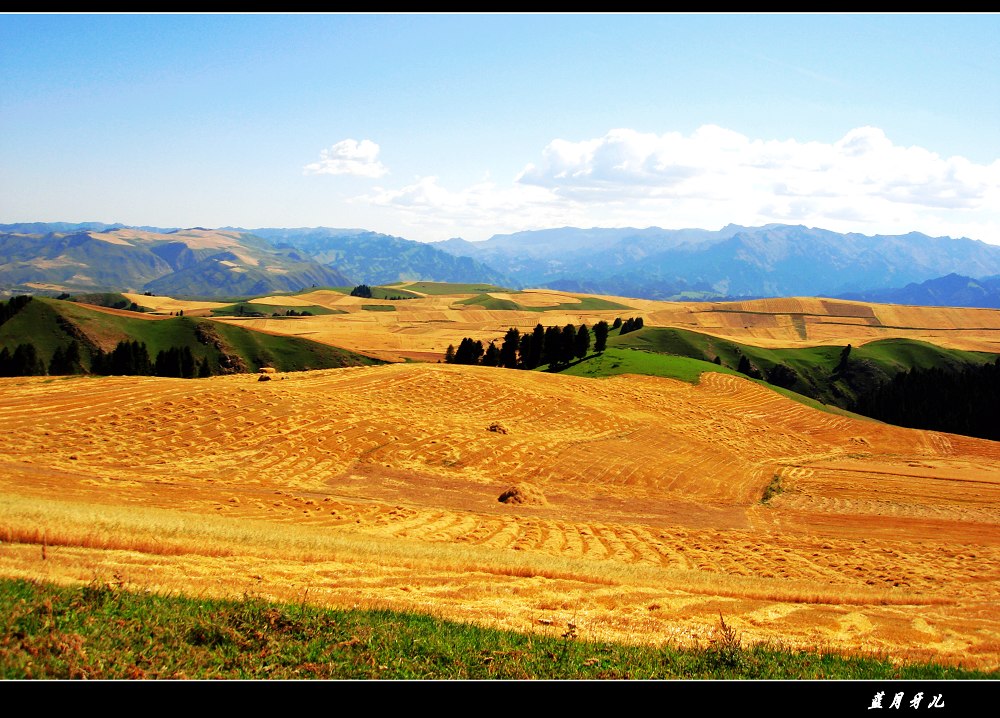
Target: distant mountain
column 734, row 262
column 373, row 258
column 195, row 262
column 953, row 290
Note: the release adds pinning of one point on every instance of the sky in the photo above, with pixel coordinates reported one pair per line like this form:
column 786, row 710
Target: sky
column 432, row 126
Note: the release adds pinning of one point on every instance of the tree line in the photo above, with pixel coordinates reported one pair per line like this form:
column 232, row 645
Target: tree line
column 555, row 346
column 129, row 358
column 962, row 401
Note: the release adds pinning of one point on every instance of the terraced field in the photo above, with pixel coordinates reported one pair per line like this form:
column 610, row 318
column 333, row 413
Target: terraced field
column 379, row 486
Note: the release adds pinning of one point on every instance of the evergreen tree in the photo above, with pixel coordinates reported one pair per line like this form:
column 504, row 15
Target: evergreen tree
column 469, row 351
column 568, row 349
column 204, row 369
column 11, row 307
column 582, row 344
column 449, row 355
column 537, row 347
column 492, row 355
column 24, row 361
column 187, row 363
column 362, row 290
column 745, row 367
column 509, row 348
column 617, row 324
column 601, row 330
column 525, row 349
column 842, row 364
column 552, row 345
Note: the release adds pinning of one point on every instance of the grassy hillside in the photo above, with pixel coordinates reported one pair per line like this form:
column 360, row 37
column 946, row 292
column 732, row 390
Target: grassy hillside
column 384, row 292
column 815, row 371
column 585, row 304
column 449, row 288
column 50, row 324
column 247, row 309
column 101, row 631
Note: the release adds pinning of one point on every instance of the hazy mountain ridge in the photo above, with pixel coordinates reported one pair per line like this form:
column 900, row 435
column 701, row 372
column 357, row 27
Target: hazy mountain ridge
column 373, row 258
column 953, row 290
column 734, row 262
column 773, row 260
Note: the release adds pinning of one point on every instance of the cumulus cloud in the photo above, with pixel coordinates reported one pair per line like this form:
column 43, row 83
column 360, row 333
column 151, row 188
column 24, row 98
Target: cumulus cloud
column 862, row 182
column 348, row 157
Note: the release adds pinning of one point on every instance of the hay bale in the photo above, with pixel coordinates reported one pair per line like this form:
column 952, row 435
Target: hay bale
column 497, row 427
column 523, row 494
column 264, row 377
column 268, row 370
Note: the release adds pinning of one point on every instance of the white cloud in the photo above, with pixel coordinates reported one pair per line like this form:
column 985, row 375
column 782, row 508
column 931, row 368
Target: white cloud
column 863, row 182
column 348, row 157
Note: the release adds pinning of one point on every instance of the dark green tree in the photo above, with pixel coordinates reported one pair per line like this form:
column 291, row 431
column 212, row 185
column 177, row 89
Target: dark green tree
column 491, row 357
column 509, row 349
column 845, row 353
column 449, row 354
column 552, row 346
column 66, row 361
column 601, row 330
column 524, row 351
column 362, row 290
column 582, row 344
column 537, row 347
column 568, row 349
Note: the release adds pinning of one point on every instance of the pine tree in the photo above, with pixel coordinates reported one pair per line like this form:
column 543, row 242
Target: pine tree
column 449, row 355
column 568, row 348
column 551, row 346
column 509, row 349
column 600, row 336
column 492, row 355
column 582, row 342
column 537, row 347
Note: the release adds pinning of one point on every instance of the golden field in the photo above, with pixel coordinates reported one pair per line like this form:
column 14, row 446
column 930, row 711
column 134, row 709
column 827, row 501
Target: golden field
column 421, row 329
column 379, row 486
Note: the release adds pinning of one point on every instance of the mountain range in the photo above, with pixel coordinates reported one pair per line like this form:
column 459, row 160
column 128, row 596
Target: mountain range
column 730, row 263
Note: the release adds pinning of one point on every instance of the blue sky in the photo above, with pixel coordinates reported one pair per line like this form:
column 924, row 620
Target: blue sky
column 435, row 126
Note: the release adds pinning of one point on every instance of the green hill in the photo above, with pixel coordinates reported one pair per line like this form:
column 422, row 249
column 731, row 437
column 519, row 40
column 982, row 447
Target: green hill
column 51, row 324
column 815, row 372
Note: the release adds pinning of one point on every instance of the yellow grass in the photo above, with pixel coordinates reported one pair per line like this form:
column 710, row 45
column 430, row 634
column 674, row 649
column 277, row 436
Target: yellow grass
column 379, row 486
column 423, row 328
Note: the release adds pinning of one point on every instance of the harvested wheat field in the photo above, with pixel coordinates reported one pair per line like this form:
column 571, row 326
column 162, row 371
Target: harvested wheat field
column 421, row 329
column 632, row 505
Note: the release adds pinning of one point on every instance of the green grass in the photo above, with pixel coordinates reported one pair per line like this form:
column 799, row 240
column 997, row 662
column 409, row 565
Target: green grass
column 387, row 291
column 232, row 310
column 487, row 302
column 378, row 307
column 102, row 631
column 38, row 323
column 585, row 304
column 869, row 364
column 286, row 353
column 616, row 361
column 115, row 300
column 438, row 288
